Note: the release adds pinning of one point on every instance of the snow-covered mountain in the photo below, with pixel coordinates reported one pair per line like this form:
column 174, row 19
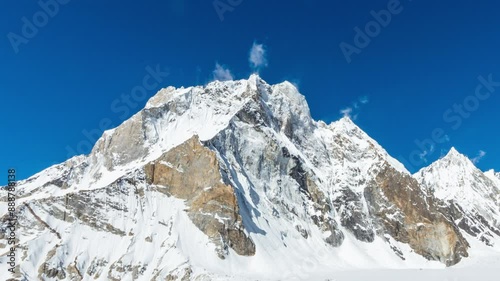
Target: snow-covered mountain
column 471, row 197
column 236, row 181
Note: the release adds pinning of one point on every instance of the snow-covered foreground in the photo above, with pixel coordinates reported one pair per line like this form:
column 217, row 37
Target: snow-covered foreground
column 490, row 274
column 483, row 265
column 449, row 274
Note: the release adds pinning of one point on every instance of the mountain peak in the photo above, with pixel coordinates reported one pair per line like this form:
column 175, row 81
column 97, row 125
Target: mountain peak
column 254, row 78
column 456, row 157
column 345, row 123
column 346, row 119
column 448, row 168
column 453, row 177
column 453, row 152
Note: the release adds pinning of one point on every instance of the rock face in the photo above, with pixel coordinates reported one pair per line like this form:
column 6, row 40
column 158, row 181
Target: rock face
column 404, row 212
column 236, row 181
column 191, row 172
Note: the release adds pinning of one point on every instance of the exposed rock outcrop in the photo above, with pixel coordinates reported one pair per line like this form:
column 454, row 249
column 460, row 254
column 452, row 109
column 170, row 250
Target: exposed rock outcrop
column 191, row 172
column 404, row 212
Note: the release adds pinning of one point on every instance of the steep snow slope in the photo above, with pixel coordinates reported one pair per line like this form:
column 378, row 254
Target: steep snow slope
column 231, row 181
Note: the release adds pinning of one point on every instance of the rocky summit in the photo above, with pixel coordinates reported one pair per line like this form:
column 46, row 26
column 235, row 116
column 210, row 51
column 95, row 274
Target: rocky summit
column 235, row 181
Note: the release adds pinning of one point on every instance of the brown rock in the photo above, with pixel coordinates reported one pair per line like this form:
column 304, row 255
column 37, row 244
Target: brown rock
column 191, row 172
column 410, row 217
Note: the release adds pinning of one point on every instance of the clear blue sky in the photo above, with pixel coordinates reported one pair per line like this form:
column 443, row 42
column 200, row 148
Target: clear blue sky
column 65, row 77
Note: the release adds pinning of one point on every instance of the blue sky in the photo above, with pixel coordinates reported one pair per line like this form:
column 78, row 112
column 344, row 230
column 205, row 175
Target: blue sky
column 420, row 82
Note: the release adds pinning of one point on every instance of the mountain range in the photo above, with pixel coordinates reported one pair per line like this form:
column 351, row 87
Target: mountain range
column 235, row 181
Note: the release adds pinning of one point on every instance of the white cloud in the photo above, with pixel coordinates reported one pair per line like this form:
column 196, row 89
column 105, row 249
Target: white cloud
column 479, row 156
column 346, row 111
column 221, row 73
column 353, row 110
column 257, row 57
column 363, row 99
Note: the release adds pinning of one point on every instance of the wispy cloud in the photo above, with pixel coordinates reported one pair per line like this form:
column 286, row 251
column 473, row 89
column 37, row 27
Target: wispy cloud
column 257, row 56
column 221, row 73
column 346, row 112
column 479, row 156
column 354, row 109
column 363, row 99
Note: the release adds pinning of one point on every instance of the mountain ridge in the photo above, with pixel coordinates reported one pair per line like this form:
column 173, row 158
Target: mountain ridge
column 237, row 174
